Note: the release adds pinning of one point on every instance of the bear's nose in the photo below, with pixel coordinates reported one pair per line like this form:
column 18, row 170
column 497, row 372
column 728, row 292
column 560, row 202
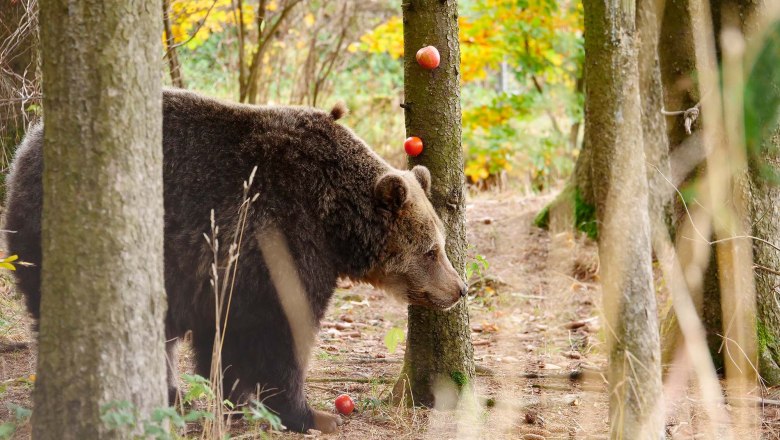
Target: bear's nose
column 464, row 289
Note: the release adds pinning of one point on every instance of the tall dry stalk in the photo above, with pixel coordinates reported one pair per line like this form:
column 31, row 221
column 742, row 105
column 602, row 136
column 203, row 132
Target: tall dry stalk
column 218, row 427
column 722, row 121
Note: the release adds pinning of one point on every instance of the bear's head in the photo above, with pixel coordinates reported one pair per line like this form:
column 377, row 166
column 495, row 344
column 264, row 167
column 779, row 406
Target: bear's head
column 414, row 265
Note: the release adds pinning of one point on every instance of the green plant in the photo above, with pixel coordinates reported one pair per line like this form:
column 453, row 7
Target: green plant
column 162, row 424
column 197, row 387
column 21, row 416
column 477, row 265
column 260, row 416
column 393, row 337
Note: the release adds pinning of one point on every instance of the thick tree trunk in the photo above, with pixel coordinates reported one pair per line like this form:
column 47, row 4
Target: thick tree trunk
column 439, row 354
column 761, row 99
column 613, row 130
column 765, row 213
column 103, row 303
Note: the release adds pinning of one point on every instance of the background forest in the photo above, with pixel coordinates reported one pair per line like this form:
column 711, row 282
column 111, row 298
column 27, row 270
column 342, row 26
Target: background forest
column 521, row 72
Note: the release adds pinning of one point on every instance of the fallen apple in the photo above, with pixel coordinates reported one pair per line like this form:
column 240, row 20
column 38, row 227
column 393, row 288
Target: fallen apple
column 344, row 404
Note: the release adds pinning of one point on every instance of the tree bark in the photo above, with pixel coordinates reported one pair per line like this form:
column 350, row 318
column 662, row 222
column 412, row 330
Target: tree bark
column 439, row 354
column 101, row 329
column 656, row 144
column 613, row 131
column 761, row 99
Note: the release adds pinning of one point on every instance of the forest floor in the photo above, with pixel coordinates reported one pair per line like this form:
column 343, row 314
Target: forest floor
column 536, row 330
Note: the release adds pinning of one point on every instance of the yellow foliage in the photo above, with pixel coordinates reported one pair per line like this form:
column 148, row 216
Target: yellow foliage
column 186, row 17
column 309, row 19
column 387, row 37
column 496, row 31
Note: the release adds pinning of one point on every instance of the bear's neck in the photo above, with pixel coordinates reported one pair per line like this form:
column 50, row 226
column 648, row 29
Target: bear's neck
column 356, row 229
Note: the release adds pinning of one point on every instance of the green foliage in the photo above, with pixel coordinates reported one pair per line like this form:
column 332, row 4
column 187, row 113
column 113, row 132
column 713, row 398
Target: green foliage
column 477, row 265
column 197, row 387
column 542, row 219
column 259, row 415
column 584, row 213
column 763, row 336
column 20, row 416
column 762, row 106
column 394, row 337
column 118, row 415
column 585, row 216
column 123, row 416
column 459, row 378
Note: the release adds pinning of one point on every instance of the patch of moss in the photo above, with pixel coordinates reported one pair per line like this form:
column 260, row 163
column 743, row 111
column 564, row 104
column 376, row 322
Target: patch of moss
column 763, row 337
column 459, row 378
column 542, row 220
column 584, row 213
column 585, row 216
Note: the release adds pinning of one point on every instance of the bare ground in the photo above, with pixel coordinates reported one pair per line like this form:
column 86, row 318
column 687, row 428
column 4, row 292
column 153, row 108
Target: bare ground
column 535, row 323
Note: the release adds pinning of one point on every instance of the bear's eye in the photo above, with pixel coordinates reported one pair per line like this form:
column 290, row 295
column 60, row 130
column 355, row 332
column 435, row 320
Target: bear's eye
column 431, row 254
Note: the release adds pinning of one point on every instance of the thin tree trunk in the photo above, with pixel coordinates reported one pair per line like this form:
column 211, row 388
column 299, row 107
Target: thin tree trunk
column 613, row 130
column 103, row 303
column 656, row 145
column 174, row 67
column 439, row 354
column 241, row 54
column 251, row 89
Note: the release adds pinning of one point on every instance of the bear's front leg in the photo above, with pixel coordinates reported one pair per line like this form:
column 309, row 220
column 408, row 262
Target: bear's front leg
column 259, row 365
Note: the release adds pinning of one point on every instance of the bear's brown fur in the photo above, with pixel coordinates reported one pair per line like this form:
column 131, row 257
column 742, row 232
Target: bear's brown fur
column 336, row 208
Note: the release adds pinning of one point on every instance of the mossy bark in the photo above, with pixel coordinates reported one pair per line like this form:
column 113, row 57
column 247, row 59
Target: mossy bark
column 763, row 190
column 101, row 335
column 439, row 354
column 613, row 132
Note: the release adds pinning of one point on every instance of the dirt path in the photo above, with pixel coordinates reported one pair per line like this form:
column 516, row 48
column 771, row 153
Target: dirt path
column 535, row 315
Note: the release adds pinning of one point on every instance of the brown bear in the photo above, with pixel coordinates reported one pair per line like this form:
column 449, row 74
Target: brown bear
column 327, row 207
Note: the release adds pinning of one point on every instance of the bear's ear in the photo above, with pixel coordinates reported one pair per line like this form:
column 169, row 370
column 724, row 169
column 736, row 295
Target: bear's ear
column 424, row 177
column 391, row 192
column 339, row 111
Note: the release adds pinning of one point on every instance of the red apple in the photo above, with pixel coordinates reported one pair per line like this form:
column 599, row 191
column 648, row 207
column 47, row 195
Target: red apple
column 344, row 404
column 428, row 57
column 413, row 146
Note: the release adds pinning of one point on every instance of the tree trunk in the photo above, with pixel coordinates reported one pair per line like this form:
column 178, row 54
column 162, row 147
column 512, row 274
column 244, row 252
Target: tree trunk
column 101, row 329
column 613, row 131
column 174, row 66
column 678, row 70
column 656, row 145
column 762, row 97
column 439, row 354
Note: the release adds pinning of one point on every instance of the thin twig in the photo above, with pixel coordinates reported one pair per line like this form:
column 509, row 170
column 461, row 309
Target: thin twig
column 383, row 380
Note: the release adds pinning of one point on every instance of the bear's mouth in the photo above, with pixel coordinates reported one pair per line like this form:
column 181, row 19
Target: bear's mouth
column 426, row 299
